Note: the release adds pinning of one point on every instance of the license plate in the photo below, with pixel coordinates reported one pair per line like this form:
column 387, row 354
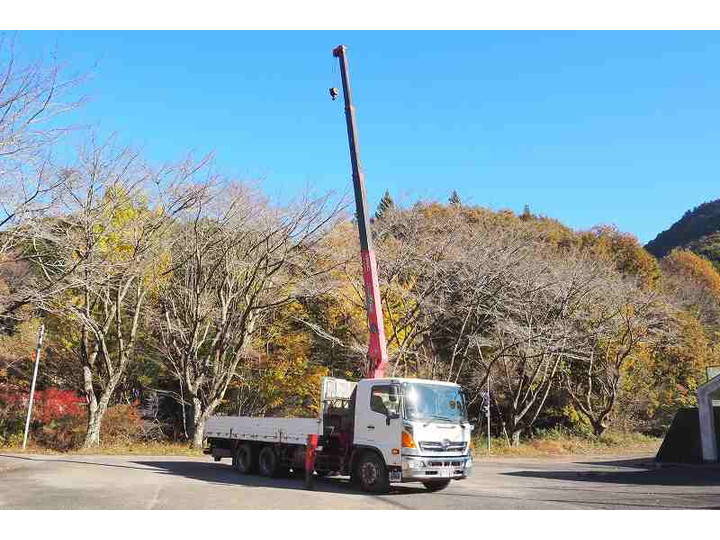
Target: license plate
column 395, row 476
column 446, row 473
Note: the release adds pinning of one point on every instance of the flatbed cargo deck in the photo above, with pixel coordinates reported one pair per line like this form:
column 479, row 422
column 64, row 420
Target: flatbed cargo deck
column 269, row 430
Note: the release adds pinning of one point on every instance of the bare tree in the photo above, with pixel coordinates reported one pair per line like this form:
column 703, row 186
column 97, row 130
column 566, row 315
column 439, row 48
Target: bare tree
column 476, row 283
column 32, row 95
column 617, row 319
column 106, row 246
column 536, row 330
column 417, row 251
column 237, row 259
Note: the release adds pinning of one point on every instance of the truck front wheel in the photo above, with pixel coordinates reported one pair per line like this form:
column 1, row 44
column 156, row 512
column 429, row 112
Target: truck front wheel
column 243, row 459
column 372, row 474
column 436, row 485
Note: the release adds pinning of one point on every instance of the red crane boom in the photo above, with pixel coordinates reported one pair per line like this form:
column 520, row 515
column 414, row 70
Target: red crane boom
column 377, row 351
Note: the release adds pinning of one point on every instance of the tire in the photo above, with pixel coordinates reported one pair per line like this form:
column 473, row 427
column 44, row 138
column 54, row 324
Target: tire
column 268, row 462
column 243, row 460
column 371, row 473
column 436, row 485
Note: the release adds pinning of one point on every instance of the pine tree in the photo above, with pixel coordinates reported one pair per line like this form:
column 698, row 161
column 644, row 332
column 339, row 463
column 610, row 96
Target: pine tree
column 455, row 199
column 386, row 204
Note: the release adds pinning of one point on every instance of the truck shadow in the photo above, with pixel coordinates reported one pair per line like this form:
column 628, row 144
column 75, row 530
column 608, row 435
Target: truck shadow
column 53, row 459
column 638, row 471
column 224, row 474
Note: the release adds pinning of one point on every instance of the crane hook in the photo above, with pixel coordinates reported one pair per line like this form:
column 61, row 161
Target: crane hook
column 334, row 93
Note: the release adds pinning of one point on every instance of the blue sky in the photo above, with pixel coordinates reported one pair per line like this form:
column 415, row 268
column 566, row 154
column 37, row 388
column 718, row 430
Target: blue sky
column 586, row 127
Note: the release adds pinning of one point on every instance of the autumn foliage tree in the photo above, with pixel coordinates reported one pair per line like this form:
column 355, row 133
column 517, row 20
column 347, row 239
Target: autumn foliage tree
column 693, row 283
column 106, row 250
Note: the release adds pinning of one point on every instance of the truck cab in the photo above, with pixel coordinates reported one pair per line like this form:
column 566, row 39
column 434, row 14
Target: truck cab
column 402, row 430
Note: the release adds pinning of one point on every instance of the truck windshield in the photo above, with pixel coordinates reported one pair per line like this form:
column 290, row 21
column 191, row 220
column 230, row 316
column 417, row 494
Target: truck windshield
column 434, row 402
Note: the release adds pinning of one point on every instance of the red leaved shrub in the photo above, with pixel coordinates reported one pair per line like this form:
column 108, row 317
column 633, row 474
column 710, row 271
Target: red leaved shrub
column 58, row 419
column 53, row 404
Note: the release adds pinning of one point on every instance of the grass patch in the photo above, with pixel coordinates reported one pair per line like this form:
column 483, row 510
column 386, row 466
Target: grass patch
column 559, row 443
column 139, row 448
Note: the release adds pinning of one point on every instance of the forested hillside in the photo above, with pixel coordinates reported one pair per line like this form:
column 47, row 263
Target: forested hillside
column 171, row 293
column 698, row 230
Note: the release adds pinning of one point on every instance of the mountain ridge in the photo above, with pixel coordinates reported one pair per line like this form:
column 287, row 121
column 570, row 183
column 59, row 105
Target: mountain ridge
column 698, row 230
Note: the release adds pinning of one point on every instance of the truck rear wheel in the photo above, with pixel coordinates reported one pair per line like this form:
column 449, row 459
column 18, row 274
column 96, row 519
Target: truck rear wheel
column 268, row 462
column 371, row 474
column 436, row 485
column 243, row 459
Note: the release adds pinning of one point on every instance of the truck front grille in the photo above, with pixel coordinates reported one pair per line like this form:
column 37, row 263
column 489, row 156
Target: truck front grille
column 445, row 446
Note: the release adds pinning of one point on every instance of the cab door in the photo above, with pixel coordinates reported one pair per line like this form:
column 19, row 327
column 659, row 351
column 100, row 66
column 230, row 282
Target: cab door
column 378, row 419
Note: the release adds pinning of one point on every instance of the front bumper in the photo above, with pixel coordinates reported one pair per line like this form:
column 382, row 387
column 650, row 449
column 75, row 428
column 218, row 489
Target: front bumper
column 429, row 468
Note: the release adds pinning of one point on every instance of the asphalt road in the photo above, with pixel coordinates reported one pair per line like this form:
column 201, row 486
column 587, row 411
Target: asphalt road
column 134, row 482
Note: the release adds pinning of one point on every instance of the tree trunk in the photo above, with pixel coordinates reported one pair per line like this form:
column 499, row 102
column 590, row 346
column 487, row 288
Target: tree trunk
column 199, row 427
column 97, row 409
column 92, row 435
column 515, row 427
column 96, row 413
column 599, row 427
column 198, row 423
column 200, row 416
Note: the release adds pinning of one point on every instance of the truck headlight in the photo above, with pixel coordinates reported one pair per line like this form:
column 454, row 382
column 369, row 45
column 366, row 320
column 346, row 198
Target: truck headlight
column 415, row 464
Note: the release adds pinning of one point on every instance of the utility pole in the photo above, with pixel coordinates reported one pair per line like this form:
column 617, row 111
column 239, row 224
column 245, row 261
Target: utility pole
column 377, row 352
column 41, row 335
column 487, row 412
column 486, row 408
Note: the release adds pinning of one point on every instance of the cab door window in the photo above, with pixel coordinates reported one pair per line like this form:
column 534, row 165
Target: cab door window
column 385, row 400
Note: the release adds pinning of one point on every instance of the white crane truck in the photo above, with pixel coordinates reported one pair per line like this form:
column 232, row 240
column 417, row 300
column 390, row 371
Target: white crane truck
column 376, row 431
column 379, row 430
